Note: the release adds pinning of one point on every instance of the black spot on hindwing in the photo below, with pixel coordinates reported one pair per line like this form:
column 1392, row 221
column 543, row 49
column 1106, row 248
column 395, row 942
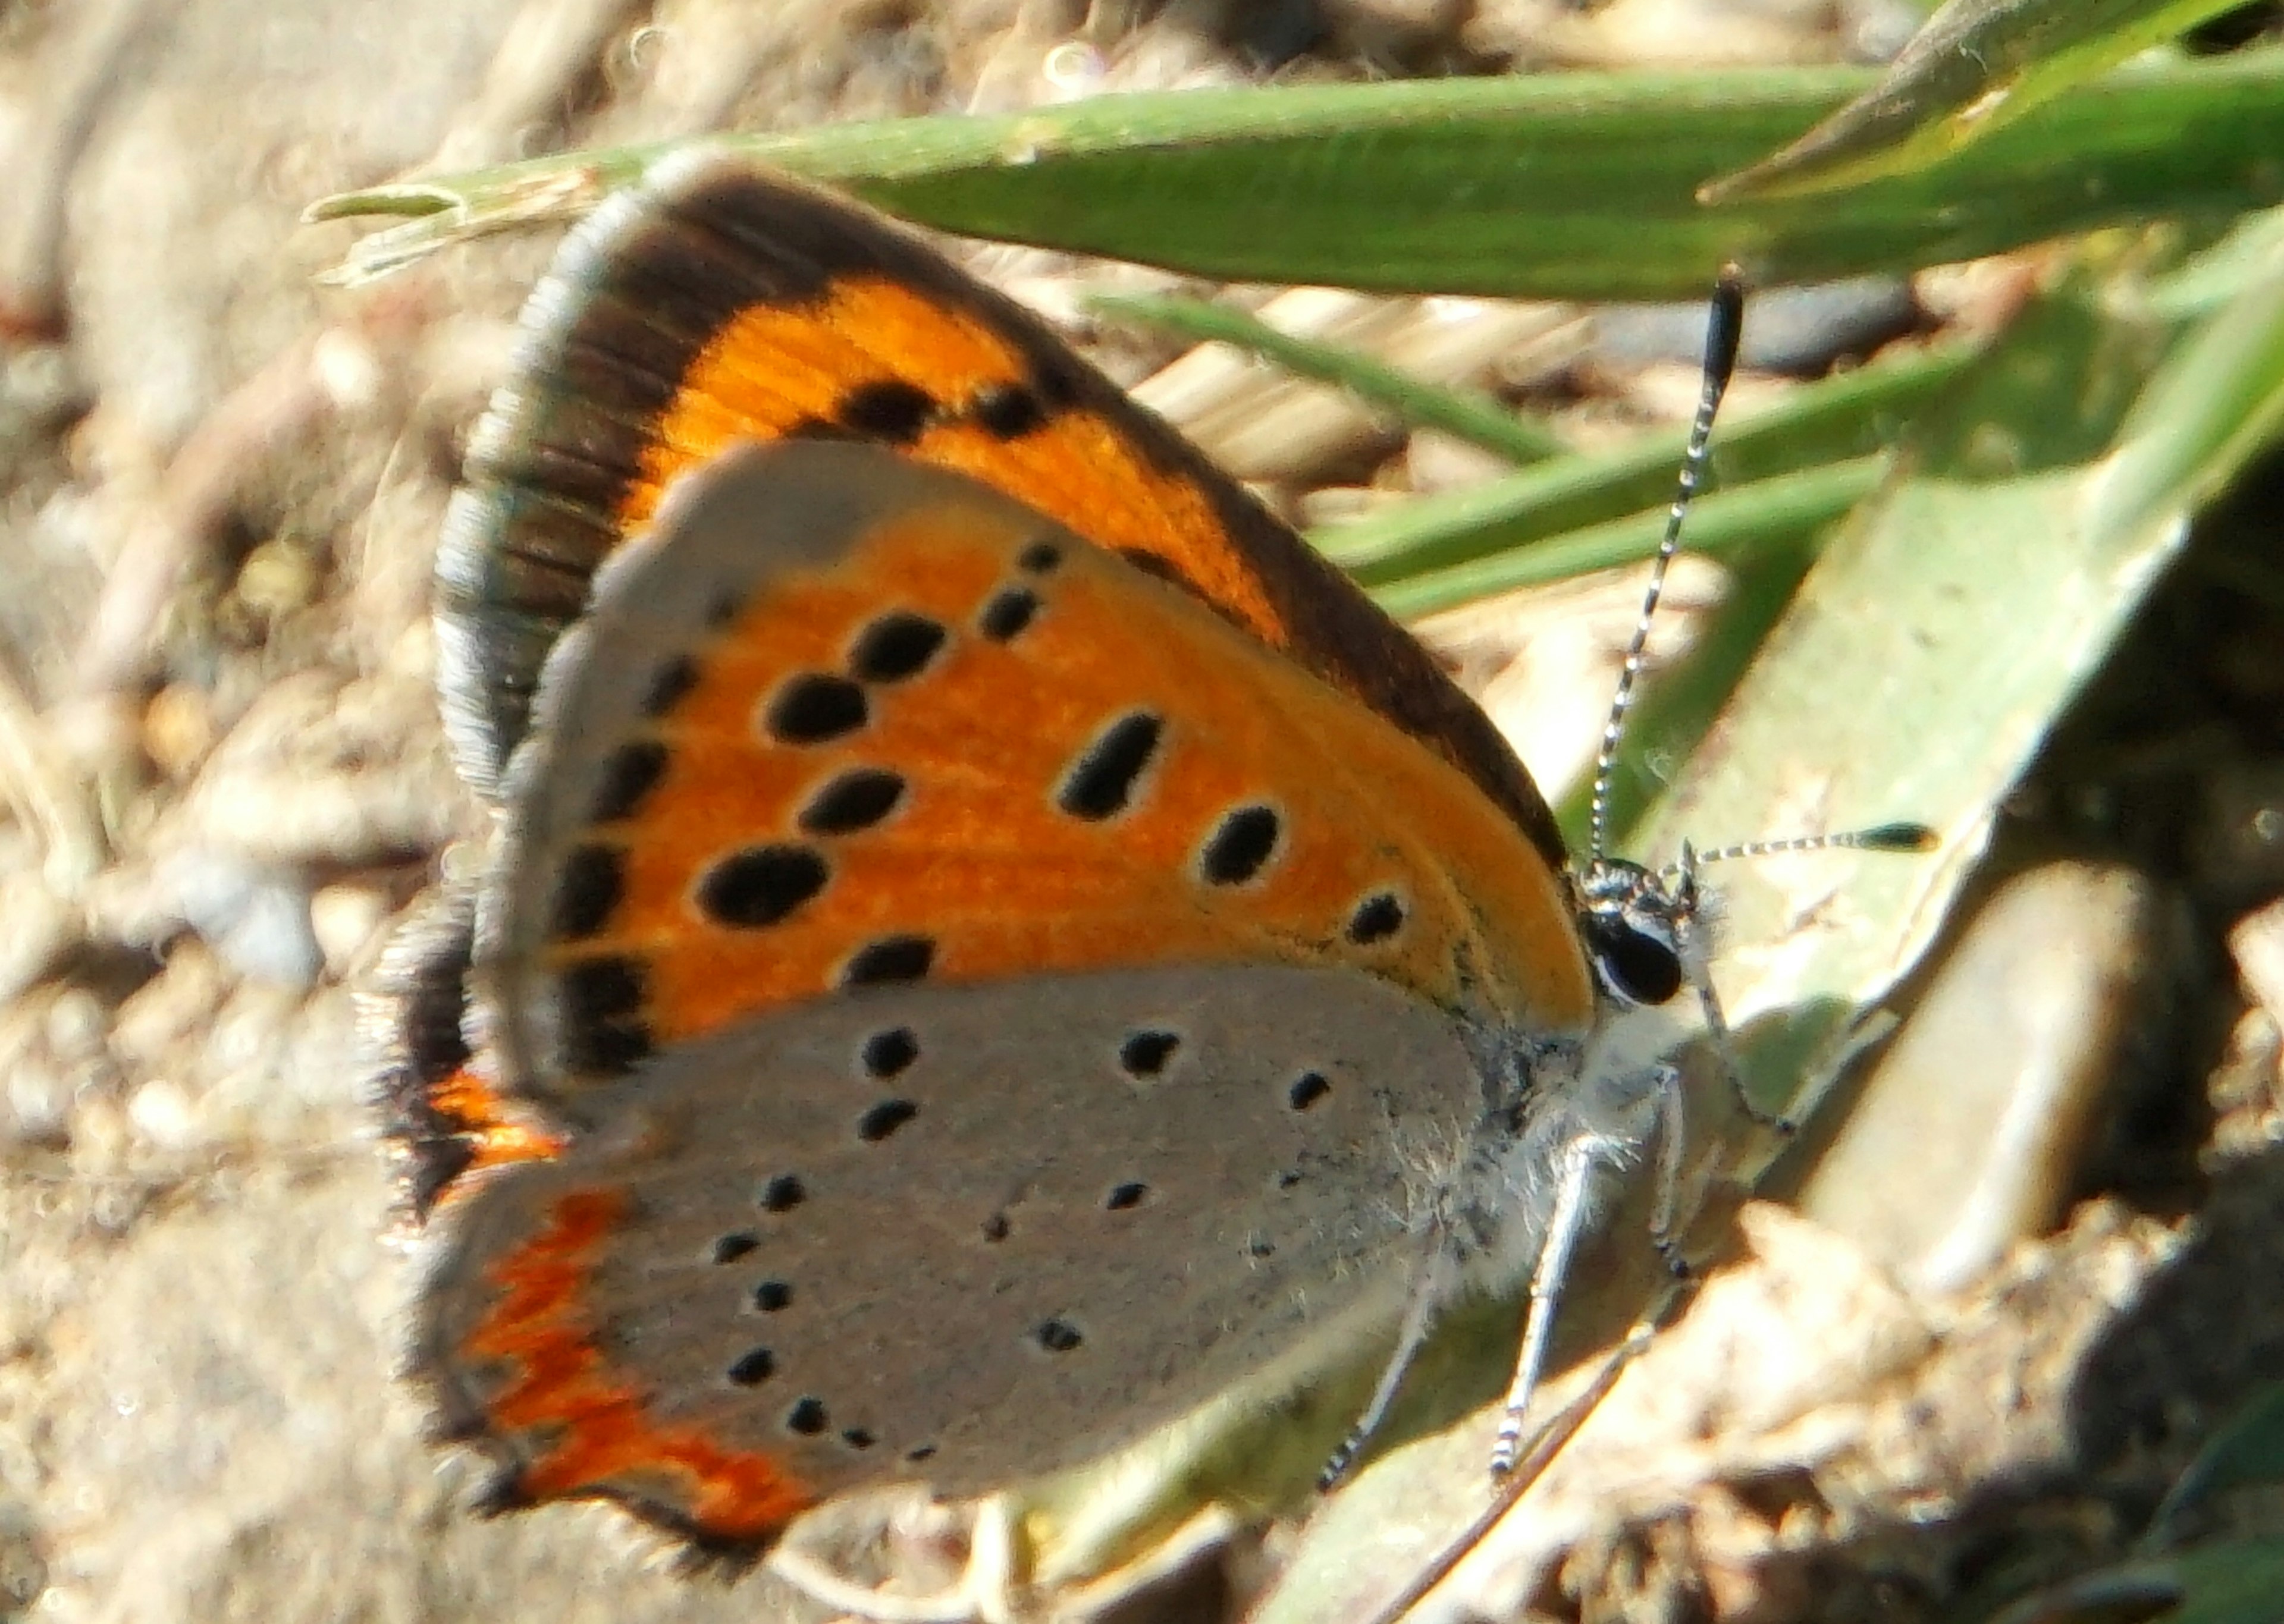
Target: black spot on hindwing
column 890, row 958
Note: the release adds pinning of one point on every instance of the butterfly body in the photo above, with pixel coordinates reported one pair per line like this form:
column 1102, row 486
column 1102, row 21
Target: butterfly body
column 987, row 940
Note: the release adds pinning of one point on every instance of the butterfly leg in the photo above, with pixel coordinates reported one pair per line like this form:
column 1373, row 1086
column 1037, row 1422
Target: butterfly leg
column 1696, row 963
column 1634, row 1109
column 1724, row 1046
column 1431, row 1289
column 1671, row 1131
column 1565, row 1222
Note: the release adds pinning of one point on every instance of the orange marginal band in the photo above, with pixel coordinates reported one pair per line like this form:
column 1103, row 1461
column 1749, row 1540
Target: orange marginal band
column 575, row 1431
column 599, row 1440
column 715, row 304
column 440, row 1110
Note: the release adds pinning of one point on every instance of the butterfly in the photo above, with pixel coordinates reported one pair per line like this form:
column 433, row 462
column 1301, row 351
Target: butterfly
column 986, row 939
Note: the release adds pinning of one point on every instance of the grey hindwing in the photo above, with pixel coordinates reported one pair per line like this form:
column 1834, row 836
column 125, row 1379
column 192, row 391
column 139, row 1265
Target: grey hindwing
column 967, row 1234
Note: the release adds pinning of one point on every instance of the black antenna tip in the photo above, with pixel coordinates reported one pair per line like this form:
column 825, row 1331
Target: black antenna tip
column 1725, row 327
column 1897, row 838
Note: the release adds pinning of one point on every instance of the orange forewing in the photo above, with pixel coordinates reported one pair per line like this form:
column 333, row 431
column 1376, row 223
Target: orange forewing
column 977, row 855
column 718, row 303
column 774, row 369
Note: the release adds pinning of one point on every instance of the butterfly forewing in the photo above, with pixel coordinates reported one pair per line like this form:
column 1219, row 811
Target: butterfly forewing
column 714, row 304
column 846, row 722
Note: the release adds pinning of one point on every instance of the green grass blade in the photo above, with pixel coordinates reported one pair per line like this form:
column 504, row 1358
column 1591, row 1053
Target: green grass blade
column 1975, row 67
column 1467, row 414
column 1851, row 416
column 2248, row 1449
column 1554, row 186
column 2236, row 1582
column 1962, row 611
column 1780, row 510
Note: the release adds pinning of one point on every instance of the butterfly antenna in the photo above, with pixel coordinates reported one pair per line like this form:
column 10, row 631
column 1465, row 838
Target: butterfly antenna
column 1883, row 838
column 1723, row 331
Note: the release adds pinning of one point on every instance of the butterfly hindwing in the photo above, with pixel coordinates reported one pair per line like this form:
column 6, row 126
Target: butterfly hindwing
column 1087, row 1202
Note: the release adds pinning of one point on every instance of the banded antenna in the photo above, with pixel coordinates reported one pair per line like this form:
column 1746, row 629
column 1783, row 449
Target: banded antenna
column 1724, row 328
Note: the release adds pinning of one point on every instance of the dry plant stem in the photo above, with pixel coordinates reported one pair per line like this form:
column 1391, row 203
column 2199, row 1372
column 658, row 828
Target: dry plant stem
column 46, row 795
column 32, row 236
column 1557, row 1432
column 535, row 75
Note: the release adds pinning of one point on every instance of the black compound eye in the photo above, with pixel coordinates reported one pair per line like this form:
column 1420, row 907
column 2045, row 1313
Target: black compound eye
column 1639, row 966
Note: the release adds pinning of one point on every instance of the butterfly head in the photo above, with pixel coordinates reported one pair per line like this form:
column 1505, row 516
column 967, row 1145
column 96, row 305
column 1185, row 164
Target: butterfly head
column 1635, row 925
column 1643, row 929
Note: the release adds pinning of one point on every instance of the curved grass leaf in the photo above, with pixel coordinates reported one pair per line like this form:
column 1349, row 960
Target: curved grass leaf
column 2248, row 1449
column 1465, row 414
column 2233, row 1583
column 1975, row 67
column 1553, row 186
column 1542, row 524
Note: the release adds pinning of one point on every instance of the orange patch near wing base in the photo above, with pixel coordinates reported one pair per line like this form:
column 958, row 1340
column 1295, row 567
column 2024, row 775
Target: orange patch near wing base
column 777, row 370
column 468, row 1102
column 604, row 1444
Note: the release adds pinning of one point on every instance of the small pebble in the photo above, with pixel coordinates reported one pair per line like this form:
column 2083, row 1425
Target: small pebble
column 39, row 1104
column 347, row 918
column 277, row 578
column 182, row 998
column 162, row 1115
column 1967, row 1135
column 178, row 728
column 2257, row 943
column 75, row 1024
column 1796, row 331
column 257, row 919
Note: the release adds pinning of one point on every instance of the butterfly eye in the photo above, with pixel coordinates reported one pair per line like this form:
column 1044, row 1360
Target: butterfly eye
column 1636, row 961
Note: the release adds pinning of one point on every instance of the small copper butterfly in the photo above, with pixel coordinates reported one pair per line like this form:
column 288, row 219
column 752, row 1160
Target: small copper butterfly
column 983, row 929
